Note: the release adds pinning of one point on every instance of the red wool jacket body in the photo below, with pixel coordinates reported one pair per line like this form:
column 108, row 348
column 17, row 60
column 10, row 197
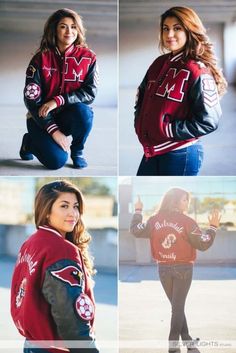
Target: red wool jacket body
column 48, row 284
column 177, row 102
column 174, row 237
column 68, row 78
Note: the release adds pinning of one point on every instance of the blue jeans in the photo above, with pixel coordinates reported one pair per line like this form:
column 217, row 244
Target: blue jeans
column 176, row 281
column 184, row 161
column 76, row 120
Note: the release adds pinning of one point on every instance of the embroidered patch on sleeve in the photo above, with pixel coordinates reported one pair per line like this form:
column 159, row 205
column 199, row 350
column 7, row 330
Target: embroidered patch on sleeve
column 196, row 231
column 32, row 91
column 210, row 95
column 141, row 226
column 30, row 71
column 84, row 307
column 21, row 293
column 70, row 274
column 205, row 238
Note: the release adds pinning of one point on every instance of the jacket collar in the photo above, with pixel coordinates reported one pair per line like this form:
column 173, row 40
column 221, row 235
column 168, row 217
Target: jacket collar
column 67, row 51
column 50, row 229
column 176, row 57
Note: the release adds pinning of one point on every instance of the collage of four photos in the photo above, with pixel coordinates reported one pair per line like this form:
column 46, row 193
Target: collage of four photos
column 117, row 176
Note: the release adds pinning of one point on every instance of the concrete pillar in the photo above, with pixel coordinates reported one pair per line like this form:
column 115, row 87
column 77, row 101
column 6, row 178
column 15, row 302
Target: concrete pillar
column 230, row 52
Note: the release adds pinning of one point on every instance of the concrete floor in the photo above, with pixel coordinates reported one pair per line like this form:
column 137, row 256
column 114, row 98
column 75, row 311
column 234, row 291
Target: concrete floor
column 100, row 151
column 219, row 146
column 144, row 310
column 106, row 311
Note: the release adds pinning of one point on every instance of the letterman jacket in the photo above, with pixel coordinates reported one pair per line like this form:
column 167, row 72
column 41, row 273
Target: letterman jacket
column 51, row 293
column 174, row 237
column 177, row 102
column 67, row 78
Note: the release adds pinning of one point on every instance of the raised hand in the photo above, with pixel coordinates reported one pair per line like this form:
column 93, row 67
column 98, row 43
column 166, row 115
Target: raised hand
column 138, row 205
column 214, row 218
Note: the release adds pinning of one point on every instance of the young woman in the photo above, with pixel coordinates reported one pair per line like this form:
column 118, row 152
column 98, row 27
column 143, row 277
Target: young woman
column 61, row 83
column 51, row 295
column 174, row 238
column 177, row 101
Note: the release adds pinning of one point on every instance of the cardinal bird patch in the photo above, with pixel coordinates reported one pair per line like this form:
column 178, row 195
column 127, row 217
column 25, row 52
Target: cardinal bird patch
column 69, row 274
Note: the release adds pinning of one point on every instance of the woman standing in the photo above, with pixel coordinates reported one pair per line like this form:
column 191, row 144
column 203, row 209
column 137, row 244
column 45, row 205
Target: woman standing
column 61, row 83
column 51, row 295
column 177, row 101
column 174, row 238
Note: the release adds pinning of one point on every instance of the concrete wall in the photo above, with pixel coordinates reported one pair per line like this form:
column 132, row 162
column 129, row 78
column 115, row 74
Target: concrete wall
column 138, row 251
column 139, row 47
column 103, row 246
column 230, row 52
column 21, row 25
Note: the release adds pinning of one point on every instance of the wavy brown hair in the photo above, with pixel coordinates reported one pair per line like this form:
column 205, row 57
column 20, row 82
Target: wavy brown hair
column 44, row 201
column 49, row 38
column 171, row 199
column 198, row 46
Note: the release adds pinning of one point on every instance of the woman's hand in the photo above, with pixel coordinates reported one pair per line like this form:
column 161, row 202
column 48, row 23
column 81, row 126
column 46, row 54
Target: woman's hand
column 61, row 140
column 214, row 218
column 47, row 107
column 138, row 205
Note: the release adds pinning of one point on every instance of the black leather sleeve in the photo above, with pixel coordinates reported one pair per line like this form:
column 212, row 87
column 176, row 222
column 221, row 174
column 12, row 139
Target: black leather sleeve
column 139, row 228
column 33, row 94
column 88, row 90
column 139, row 98
column 206, row 111
column 63, row 289
column 202, row 241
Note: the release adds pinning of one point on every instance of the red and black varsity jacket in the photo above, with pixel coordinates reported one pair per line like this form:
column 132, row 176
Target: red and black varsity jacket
column 174, row 237
column 67, row 78
column 51, row 293
column 177, row 102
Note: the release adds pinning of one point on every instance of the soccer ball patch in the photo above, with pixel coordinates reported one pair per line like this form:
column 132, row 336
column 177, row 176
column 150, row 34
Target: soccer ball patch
column 84, row 307
column 32, row 91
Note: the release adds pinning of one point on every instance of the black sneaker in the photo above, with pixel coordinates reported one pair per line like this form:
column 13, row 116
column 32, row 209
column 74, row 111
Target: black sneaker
column 79, row 162
column 25, row 154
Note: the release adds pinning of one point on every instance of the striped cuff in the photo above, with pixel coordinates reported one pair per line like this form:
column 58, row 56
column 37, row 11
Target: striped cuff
column 168, row 130
column 213, row 228
column 52, row 128
column 59, row 100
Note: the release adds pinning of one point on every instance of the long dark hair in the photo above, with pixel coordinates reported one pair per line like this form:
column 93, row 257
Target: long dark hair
column 171, row 199
column 44, row 201
column 49, row 38
column 198, row 46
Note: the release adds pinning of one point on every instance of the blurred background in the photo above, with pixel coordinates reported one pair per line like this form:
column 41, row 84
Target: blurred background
column 206, row 193
column 138, row 47
column 21, row 25
column 100, row 217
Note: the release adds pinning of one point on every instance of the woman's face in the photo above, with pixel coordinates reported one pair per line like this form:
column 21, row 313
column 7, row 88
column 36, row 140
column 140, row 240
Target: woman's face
column 174, row 35
column 64, row 213
column 66, row 33
column 183, row 203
